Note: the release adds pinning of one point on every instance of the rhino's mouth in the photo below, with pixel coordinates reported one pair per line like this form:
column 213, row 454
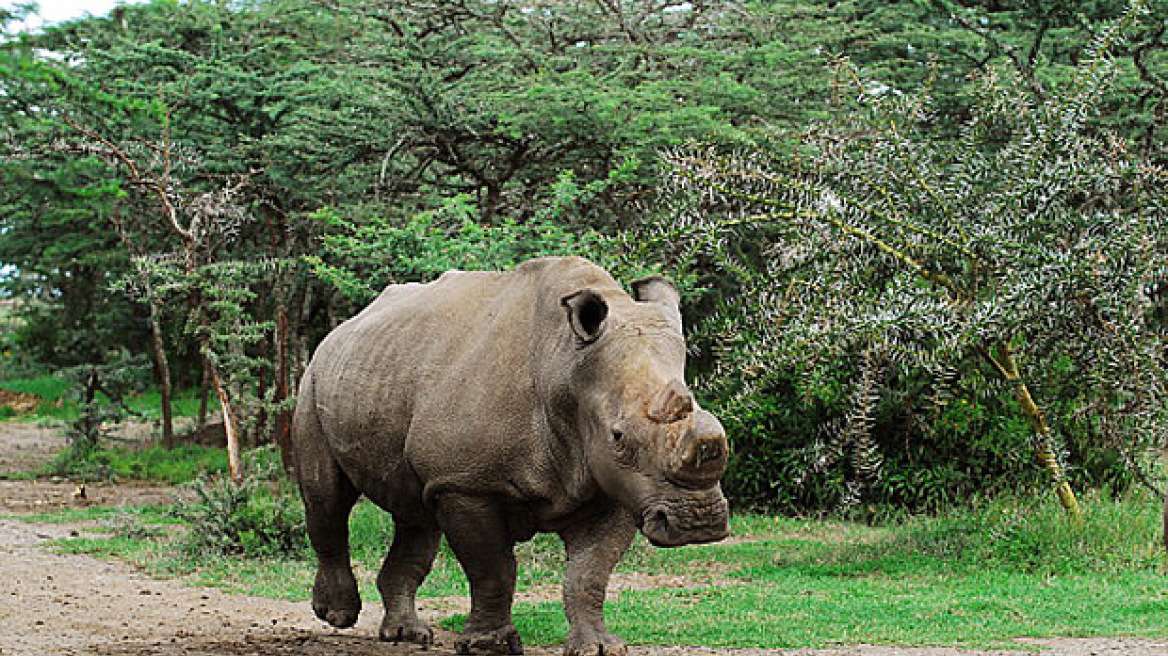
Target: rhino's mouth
column 692, row 519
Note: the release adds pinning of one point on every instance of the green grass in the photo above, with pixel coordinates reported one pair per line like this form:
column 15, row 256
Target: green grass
column 150, row 463
column 184, row 403
column 978, row 577
column 107, row 519
column 801, row 609
column 48, row 388
column 56, row 402
column 154, row 463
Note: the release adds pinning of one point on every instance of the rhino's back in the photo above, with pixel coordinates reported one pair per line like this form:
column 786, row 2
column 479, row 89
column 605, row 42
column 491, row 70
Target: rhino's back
column 431, row 386
column 369, row 372
column 422, row 375
column 416, row 341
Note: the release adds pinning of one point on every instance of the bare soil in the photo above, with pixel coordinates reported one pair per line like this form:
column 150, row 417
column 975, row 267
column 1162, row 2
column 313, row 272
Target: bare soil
column 56, row 603
column 27, row 446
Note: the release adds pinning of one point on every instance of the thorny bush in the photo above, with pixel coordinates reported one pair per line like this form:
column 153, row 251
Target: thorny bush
column 899, row 289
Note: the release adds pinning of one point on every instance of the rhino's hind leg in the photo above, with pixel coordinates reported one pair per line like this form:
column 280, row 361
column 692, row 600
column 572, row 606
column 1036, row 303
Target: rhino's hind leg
column 407, row 564
column 329, row 496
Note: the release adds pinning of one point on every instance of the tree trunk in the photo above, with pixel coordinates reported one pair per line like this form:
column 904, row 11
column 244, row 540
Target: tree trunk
column 301, row 343
column 234, row 457
column 204, row 400
column 1164, row 493
column 162, row 372
column 89, row 426
column 1004, row 362
column 158, row 344
column 282, row 428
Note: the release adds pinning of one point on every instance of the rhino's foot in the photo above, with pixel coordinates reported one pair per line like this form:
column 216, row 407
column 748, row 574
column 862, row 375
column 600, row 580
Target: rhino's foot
column 504, row 640
column 341, row 613
column 342, row 618
column 412, row 630
column 592, row 643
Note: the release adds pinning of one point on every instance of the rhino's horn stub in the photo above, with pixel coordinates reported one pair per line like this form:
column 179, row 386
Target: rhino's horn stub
column 673, row 403
column 656, row 289
column 587, row 311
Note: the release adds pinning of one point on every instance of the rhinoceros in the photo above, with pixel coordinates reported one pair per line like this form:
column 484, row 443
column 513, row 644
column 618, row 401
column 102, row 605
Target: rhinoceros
column 489, row 406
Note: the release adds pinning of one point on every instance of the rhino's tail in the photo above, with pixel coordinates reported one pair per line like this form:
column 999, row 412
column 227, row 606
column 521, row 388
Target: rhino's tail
column 306, row 425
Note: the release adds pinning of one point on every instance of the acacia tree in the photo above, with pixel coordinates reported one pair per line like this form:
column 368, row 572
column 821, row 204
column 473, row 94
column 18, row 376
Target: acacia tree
column 53, row 208
column 197, row 223
column 1032, row 239
column 1042, row 41
column 181, row 115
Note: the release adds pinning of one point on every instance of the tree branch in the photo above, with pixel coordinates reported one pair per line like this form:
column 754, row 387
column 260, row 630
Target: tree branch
column 158, row 188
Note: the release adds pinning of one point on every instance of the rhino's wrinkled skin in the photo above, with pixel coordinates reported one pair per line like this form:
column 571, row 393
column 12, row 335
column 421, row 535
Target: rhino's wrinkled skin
column 491, row 406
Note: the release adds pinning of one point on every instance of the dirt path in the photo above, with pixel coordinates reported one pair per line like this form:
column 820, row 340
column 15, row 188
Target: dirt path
column 28, row 446
column 53, row 603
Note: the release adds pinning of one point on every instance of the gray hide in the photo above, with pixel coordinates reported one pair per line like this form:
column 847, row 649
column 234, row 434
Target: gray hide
column 488, row 407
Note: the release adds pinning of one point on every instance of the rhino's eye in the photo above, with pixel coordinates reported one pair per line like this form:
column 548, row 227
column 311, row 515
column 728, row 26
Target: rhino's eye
column 624, row 448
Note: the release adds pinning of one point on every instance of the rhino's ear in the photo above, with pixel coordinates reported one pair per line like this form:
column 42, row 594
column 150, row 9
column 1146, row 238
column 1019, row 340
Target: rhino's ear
column 656, row 289
column 586, row 314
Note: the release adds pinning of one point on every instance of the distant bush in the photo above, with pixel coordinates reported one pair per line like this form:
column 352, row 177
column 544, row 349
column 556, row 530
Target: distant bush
column 259, row 516
column 82, row 461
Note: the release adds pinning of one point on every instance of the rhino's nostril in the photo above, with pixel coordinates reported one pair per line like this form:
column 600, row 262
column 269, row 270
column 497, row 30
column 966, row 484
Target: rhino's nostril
column 708, row 452
column 704, row 453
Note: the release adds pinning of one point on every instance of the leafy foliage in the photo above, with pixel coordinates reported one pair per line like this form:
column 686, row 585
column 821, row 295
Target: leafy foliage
column 360, row 259
column 1031, row 234
column 170, row 173
column 259, row 515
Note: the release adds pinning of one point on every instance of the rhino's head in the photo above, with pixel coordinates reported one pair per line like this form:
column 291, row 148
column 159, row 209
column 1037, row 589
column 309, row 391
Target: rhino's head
column 648, row 443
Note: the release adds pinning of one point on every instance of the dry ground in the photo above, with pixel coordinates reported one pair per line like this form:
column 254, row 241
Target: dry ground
column 28, row 446
column 53, row 603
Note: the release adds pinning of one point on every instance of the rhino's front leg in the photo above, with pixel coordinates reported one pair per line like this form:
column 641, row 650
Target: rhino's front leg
column 594, row 548
column 477, row 532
